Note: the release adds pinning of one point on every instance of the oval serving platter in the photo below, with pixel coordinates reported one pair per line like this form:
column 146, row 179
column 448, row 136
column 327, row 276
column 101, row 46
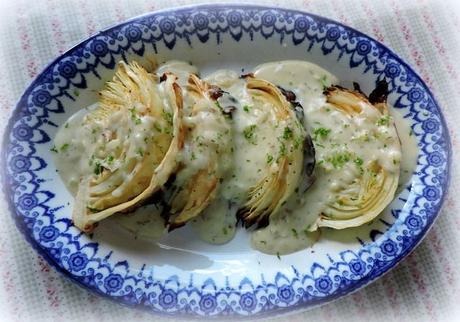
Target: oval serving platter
column 181, row 275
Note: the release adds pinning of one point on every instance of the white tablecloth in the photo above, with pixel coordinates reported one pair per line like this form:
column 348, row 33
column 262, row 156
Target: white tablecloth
column 425, row 287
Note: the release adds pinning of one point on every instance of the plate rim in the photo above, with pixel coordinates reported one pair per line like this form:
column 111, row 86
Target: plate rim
column 290, row 309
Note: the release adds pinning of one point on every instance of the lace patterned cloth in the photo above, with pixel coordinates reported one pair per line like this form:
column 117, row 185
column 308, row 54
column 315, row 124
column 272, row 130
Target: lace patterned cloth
column 425, row 33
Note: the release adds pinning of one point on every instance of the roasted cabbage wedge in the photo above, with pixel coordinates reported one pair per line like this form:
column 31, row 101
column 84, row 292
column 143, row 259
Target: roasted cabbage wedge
column 282, row 174
column 142, row 124
column 374, row 189
column 208, row 141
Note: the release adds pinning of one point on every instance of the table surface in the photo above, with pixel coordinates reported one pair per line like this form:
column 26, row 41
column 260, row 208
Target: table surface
column 425, row 33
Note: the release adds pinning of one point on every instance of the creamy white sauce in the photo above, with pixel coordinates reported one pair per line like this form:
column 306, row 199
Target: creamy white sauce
column 289, row 228
column 145, row 222
column 73, row 145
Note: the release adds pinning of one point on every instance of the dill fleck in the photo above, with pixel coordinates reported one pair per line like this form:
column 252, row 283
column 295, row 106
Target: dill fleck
column 287, row 134
column 140, row 152
column 66, row 125
column 225, row 231
column 359, row 163
column 298, row 142
column 168, row 117
column 64, row 147
column 53, row 149
column 323, row 81
column 321, row 132
column 269, row 158
column 248, row 133
column 385, row 120
column 338, row 160
column 294, row 232
column 109, row 159
column 134, row 116
column 246, row 108
column 97, row 168
column 193, row 156
column 278, row 255
column 282, row 150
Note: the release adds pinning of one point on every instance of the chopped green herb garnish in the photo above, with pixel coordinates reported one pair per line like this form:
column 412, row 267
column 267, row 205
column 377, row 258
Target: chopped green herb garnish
column 321, row 132
column 246, row 108
column 294, row 232
column 269, row 158
column 282, row 150
column 53, row 149
column 298, row 142
column 323, row 81
column 76, row 93
column 338, row 160
column 359, row 161
column 64, row 147
column 248, row 133
column 157, row 126
column 278, row 255
column 66, row 125
column 287, row 134
column 385, row 120
column 109, row 159
column 134, row 116
column 225, row 231
column 411, row 132
column 193, row 156
column 168, row 117
column 140, row 152
column 97, row 168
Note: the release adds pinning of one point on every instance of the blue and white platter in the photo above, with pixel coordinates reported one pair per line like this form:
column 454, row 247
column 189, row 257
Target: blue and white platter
column 181, row 275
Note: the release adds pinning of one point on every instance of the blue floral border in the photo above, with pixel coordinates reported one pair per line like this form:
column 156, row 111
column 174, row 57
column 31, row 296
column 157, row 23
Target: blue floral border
column 59, row 242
